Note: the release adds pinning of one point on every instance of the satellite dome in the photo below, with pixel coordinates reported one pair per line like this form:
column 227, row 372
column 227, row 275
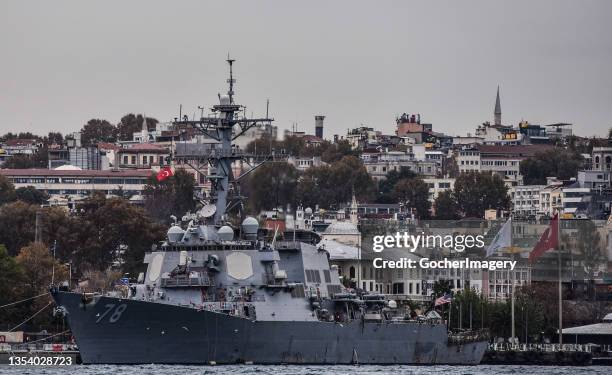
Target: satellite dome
column 175, row 234
column 224, row 100
column 250, row 227
column 225, row 233
column 308, row 211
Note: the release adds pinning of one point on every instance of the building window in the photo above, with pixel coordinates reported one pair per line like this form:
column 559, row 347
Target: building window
column 352, row 272
column 133, row 159
column 125, row 159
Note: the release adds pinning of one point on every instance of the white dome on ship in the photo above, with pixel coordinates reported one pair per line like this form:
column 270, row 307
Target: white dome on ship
column 250, row 227
column 225, row 233
column 175, row 234
column 308, row 211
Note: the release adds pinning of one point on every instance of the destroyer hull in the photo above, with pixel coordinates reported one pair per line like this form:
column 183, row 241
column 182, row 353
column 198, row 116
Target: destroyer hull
column 123, row 331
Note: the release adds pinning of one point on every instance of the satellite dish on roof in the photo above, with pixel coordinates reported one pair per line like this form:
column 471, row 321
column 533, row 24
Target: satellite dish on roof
column 208, row 210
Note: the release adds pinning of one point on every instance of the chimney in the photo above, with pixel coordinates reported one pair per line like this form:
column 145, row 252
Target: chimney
column 319, row 126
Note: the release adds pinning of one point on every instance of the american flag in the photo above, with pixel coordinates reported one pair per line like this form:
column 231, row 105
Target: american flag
column 444, row 299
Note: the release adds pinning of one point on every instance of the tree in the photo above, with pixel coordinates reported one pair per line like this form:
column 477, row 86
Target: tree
column 272, row 185
column 11, row 277
column 115, row 231
column 441, row 287
column 17, row 224
column 31, row 195
column 331, row 185
column 414, row 193
column 7, row 190
column 130, row 124
column 477, row 191
column 23, row 161
column 97, row 130
column 446, row 207
column 40, row 268
column 337, row 151
column 558, row 162
column 590, row 251
column 386, row 185
column 172, row 196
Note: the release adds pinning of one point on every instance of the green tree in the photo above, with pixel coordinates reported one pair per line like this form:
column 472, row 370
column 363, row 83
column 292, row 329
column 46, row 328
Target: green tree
column 476, row 192
column 131, row 123
column 11, row 278
column 23, row 161
column 172, row 196
column 446, row 206
column 332, row 185
column 31, row 195
column 115, row 230
column 441, row 287
column 7, row 190
column 272, row 185
column 558, row 162
column 97, row 130
column 414, row 193
column 386, row 185
column 17, row 224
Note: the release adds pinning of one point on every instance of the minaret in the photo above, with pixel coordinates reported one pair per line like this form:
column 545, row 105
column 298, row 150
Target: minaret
column 497, row 112
column 145, row 130
column 353, row 213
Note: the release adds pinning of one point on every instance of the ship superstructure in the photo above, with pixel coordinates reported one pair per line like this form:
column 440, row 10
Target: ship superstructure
column 218, row 293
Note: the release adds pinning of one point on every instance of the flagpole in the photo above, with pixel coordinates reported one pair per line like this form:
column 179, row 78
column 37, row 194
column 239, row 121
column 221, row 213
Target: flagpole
column 513, row 282
column 560, row 286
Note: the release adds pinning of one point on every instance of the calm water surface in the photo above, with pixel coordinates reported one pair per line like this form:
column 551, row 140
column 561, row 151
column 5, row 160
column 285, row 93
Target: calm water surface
column 304, row 370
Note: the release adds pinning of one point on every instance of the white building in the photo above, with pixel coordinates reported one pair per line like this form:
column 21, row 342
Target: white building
column 379, row 164
column 303, row 164
column 438, row 185
column 69, row 183
column 526, row 199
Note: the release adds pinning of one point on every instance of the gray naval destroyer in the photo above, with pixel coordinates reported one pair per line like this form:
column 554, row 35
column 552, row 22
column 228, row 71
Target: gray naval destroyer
column 214, row 293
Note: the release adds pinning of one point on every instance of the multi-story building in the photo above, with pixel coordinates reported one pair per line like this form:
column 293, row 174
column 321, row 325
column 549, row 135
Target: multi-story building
column 503, row 160
column 438, row 185
column 551, row 199
column 379, row 164
column 526, row 200
column 601, row 159
column 141, row 156
column 71, row 184
column 303, row 164
column 468, row 160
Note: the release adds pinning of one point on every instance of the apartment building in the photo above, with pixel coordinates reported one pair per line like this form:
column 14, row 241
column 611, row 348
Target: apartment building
column 69, row 183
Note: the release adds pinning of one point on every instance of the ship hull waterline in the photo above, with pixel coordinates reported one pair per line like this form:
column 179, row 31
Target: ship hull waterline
column 123, row 331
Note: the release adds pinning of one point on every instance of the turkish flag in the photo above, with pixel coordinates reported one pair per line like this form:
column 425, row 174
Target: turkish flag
column 164, row 173
column 548, row 240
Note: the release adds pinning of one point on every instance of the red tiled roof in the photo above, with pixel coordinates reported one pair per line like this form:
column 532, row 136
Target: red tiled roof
column 521, row 150
column 311, row 138
column 39, row 172
column 108, row 146
column 20, row 142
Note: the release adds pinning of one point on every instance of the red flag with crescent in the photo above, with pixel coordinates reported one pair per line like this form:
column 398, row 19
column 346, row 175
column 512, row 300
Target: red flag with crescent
column 548, row 240
column 164, row 173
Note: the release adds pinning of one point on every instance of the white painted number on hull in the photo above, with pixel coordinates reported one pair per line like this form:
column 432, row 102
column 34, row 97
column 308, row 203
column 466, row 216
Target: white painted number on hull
column 115, row 316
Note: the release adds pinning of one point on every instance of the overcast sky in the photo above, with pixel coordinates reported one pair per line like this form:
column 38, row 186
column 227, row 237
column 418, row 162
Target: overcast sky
column 64, row 62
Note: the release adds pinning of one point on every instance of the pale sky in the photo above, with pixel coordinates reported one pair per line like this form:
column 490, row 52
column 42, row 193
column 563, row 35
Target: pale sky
column 64, row 62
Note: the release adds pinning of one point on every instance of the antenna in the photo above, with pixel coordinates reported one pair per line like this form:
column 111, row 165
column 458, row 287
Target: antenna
column 231, row 79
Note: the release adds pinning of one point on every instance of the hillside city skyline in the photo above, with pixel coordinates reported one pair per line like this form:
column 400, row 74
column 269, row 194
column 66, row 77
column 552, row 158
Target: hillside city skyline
column 551, row 63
